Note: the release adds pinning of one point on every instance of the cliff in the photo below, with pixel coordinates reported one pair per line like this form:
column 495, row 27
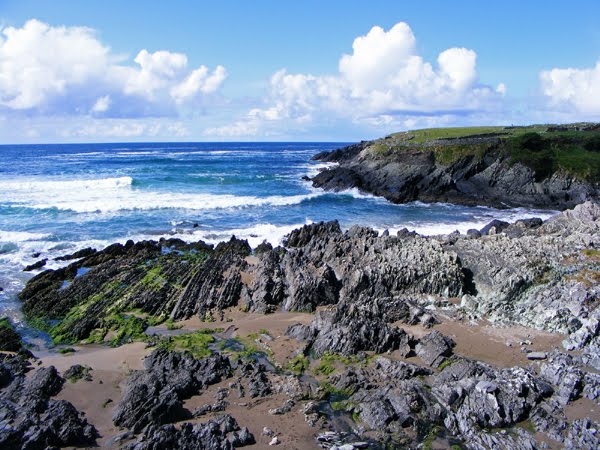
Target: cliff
column 555, row 167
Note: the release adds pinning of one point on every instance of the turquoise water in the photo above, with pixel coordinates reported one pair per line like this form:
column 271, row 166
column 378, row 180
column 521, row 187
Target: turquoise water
column 56, row 199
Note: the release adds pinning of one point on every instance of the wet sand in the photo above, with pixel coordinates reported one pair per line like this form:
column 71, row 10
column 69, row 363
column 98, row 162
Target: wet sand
column 110, row 368
column 490, row 344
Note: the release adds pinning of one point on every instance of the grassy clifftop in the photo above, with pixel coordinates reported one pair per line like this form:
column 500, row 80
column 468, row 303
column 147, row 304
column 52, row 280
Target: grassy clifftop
column 573, row 149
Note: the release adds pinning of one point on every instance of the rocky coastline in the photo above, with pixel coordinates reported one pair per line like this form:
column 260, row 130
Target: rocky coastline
column 552, row 167
column 335, row 339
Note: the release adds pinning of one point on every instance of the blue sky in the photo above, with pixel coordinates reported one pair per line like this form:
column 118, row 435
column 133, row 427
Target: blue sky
column 273, row 70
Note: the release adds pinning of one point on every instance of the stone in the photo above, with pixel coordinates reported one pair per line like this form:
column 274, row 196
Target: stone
column 535, row 356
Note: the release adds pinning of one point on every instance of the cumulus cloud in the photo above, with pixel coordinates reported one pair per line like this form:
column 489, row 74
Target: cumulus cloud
column 573, row 90
column 199, row 81
column 68, row 70
column 384, row 81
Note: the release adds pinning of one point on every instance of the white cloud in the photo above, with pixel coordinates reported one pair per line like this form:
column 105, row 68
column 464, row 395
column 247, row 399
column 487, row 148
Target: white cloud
column 125, row 129
column 384, row 82
column 67, row 70
column 199, row 81
column 38, row 62
column 574, row 90
column 102, row 104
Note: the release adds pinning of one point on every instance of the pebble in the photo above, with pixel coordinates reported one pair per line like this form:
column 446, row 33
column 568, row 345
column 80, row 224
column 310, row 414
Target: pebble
column 536, row 355
column 267, row 431
column 274, row 441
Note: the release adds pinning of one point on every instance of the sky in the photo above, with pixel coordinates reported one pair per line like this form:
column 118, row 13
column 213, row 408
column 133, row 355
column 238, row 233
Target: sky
column 115, row 71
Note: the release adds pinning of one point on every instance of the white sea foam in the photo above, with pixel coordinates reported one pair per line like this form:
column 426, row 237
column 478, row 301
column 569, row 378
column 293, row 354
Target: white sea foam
column 476, row 221
column 315, row 168
column 255, row 234
column 24, row 186
column 116, row 194
column 21, row 236
column 357, row 193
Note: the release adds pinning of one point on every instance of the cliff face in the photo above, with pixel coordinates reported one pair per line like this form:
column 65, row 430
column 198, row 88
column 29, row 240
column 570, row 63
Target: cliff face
column 549, row 169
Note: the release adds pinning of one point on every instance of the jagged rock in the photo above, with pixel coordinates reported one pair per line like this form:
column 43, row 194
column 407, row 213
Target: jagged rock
column 10, row 340
column 36, row 265
column 78, row 372
column 83, row 253
column 434, row 348
column 217, row 285
column 222, row 433
column 154, row 396
column 473, row 234
column 31, row 419
column 583, row 433
column 350, row 329
column 267, row 288
column 286, row 408
column 416, row 173
column 316, row 231
column 259, row 384
column 494, row 227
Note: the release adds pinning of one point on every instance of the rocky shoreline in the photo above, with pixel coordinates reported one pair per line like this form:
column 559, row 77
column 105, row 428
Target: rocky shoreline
column 333, row 337
column 537, row 166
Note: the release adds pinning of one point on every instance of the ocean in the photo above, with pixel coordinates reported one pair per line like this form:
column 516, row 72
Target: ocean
column 56, row 199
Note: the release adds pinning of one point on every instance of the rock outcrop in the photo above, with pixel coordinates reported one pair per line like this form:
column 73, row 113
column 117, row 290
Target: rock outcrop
column 499, row 170
column 362, row 287
column 30, row 418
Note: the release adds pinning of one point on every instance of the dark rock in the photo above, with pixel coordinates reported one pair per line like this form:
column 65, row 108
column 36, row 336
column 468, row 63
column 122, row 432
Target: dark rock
column 534, row 222
column 494, row 227
column 583, row 433
column 222, row 433
column 78, row 372
column 36, row 265
column 267, row 289
column 83, row 253
column 10, row 340
column 416, row 173
column 473, row 234
column 434, row 348
column 259, row 384
column 316, row 231
column 31, row 419
column 154, row 396
column 350, row 329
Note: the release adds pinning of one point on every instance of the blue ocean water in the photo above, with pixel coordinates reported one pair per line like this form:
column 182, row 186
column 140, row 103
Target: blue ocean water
column 56, row 199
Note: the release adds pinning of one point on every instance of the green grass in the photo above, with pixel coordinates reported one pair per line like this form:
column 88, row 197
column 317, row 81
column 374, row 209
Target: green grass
column 299, row 364
column 430, row 134
column 576, row 153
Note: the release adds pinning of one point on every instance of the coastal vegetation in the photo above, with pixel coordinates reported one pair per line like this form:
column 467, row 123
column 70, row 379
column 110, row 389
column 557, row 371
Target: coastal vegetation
column 546, row 149
column 546, row 166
